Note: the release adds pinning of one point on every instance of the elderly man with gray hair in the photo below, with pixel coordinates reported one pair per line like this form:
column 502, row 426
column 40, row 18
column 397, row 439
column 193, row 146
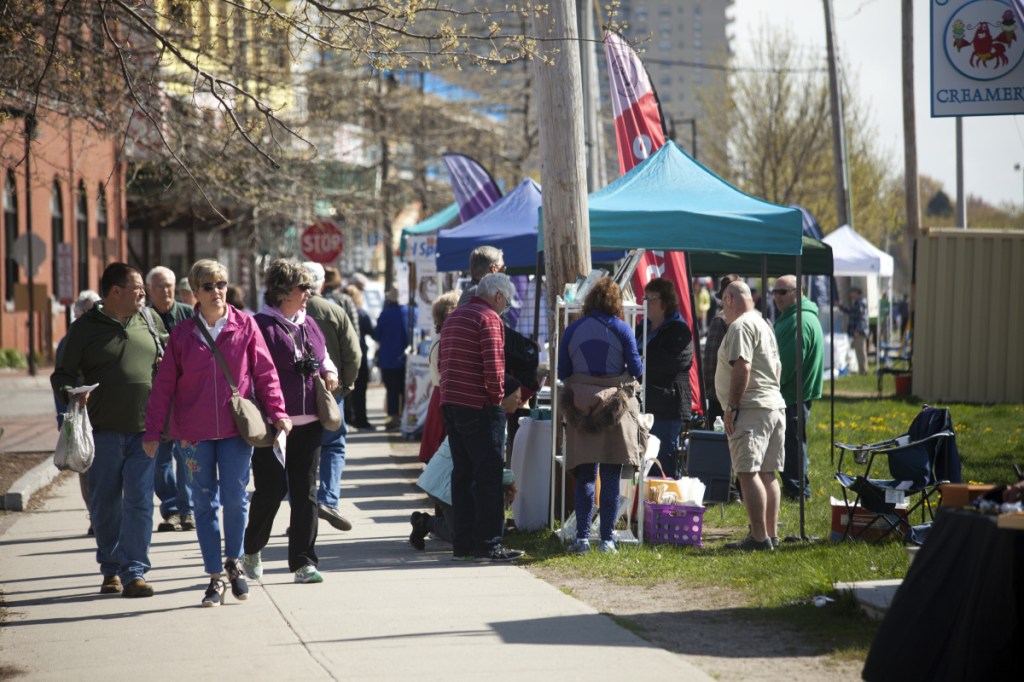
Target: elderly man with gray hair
column 483, row 261
column 472, row 366
column 747, row 384
column 343, row 349
column 170, row 481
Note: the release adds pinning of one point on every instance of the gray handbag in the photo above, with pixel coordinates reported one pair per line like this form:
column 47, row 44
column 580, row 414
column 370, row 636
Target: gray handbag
column 249, row 419
column 326, row 406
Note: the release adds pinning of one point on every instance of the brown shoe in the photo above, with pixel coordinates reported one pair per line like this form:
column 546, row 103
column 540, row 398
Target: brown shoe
column 111, row 585
column 137, row 588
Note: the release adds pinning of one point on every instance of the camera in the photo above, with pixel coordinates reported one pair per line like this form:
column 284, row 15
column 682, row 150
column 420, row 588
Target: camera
column 308, row 365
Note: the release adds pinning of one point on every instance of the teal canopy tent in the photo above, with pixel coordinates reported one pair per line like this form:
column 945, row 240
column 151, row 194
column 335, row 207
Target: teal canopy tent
column 671, row 202
column 446, row 217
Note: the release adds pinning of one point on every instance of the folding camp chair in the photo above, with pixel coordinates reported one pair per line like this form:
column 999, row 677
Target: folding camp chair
column 896, row 359
column 919, row 462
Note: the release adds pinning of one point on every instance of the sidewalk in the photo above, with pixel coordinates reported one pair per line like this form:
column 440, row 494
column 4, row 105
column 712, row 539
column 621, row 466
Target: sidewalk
column 385, row 611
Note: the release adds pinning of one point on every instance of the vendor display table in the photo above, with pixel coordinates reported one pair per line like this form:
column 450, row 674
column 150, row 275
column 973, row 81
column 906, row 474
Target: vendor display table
column 959, row 614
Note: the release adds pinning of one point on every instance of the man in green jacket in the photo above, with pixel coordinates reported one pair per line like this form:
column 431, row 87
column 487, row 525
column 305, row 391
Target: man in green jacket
column 812, row 364
column 114, row 347
column 343, row 349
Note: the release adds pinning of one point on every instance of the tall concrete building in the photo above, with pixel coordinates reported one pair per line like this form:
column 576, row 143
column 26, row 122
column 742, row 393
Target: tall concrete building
column 684, row 43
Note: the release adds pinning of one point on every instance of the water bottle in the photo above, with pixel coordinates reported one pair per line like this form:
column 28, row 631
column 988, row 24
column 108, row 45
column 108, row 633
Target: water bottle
column 719, row 424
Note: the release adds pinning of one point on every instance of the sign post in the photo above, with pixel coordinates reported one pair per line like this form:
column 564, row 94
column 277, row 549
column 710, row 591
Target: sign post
column 322, row 242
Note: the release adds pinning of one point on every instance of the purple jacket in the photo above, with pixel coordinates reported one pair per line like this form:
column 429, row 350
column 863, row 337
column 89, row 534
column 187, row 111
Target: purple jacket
column 299, row 395
column 191, row 379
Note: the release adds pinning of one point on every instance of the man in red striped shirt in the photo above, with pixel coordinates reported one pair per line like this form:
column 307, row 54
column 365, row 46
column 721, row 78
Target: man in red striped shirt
column 471, row 359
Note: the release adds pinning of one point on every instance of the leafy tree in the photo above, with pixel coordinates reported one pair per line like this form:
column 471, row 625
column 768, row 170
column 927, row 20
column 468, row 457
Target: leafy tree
column 771, row 137
column 228, row 110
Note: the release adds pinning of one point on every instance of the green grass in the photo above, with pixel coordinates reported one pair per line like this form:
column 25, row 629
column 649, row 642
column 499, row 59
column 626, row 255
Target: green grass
column 989, row 437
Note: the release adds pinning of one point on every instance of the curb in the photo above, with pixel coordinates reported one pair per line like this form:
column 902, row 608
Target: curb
column 21, row 491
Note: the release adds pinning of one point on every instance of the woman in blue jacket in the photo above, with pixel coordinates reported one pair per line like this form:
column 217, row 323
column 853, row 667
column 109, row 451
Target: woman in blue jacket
column 392, row 336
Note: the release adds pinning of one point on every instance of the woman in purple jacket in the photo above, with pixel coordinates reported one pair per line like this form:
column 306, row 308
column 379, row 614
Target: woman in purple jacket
column 299, row 352
column 216, row 457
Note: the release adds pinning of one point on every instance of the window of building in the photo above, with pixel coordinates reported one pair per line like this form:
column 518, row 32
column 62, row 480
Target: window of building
column 82, row 224
column 101, row 213
column 56, row 228
column 665, row 11
column 10, row 234
column 204, row 26
column 640, row 12
column 696, row 10
column 665, row 45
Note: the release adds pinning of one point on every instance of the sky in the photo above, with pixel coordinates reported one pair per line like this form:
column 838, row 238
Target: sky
column 868, row 36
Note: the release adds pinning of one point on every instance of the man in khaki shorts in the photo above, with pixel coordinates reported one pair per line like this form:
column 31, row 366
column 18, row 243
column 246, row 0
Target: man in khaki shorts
column 747, row 385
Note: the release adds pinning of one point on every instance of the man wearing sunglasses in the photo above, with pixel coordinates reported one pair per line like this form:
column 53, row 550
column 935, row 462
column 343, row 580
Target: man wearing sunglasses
column 812, row 363
column 171, row 482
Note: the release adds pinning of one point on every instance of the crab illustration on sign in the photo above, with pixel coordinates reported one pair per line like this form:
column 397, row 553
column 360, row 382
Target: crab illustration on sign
column 983, row 42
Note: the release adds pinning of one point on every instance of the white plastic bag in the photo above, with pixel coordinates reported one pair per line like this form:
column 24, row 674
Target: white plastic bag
column 75, row 447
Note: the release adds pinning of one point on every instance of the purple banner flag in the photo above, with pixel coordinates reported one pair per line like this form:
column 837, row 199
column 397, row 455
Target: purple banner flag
column 474, row 187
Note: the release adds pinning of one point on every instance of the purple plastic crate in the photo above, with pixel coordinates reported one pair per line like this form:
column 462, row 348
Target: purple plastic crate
column 673, row 524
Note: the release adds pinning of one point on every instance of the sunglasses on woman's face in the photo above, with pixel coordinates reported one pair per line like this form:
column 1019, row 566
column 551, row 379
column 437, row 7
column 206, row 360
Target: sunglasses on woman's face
column 208, row 287
column 304, row 287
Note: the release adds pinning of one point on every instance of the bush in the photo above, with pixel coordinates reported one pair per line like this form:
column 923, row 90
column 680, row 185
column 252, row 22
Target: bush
column 12, row 358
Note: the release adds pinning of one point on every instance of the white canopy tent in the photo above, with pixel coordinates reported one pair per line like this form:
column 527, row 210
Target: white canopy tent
column 855, row 256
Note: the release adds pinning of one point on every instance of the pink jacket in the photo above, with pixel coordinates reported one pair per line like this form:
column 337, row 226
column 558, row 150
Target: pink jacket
column 191, row 381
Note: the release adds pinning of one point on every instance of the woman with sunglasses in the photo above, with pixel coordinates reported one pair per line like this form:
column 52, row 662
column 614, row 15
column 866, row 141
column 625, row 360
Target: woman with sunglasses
column 299, row 352
column 669, row 356
column 216, row 457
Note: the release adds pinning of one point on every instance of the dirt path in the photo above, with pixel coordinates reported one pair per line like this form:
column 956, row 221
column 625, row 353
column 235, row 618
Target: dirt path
column 712, row 627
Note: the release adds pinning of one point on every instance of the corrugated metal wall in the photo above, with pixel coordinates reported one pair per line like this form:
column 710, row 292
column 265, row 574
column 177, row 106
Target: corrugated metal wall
column 969, row 317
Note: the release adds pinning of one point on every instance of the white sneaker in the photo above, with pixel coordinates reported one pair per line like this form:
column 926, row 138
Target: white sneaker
column 308, row 574
column 252, row 564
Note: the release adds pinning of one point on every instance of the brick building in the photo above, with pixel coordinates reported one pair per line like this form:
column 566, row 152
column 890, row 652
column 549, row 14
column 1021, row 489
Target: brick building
column 77, row 190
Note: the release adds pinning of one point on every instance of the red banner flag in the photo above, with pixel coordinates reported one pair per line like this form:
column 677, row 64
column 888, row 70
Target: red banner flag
column 638, row 127
column 638, row 133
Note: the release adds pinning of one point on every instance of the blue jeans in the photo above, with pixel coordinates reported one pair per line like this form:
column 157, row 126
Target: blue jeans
column 477, row 440
column 121, row 504
column 332, row 462
column 667, row 431
column 170, row 481
column 795, row 448
column 586, row 477
column 218, row 472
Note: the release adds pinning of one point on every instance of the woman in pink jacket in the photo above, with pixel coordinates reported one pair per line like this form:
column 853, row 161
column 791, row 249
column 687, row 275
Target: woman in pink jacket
column 217, row 458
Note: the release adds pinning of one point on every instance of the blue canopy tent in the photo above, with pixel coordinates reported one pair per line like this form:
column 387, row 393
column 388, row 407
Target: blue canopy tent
column 509, row 224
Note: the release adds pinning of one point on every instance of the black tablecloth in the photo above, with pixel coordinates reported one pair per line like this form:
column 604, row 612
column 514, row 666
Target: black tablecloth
column 959, row 614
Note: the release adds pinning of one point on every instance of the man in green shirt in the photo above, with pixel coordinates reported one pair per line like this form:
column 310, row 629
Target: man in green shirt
column 171, row 488
column 812, row 363
column 113, row 347
column 342, row 338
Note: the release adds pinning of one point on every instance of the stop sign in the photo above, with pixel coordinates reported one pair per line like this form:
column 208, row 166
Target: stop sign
column 322, row 242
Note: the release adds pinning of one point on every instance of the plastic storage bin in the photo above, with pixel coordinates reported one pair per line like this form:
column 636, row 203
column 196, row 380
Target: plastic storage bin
column 673, row 524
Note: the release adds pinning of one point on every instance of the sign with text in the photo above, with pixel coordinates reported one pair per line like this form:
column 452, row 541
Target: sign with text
column 322, row 242
column 977, row 58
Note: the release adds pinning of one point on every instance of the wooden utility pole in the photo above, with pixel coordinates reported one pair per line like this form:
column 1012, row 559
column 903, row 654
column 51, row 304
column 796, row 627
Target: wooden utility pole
column 844, row 216
column 596, row 176
column 911, row 188
column 563, row 165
